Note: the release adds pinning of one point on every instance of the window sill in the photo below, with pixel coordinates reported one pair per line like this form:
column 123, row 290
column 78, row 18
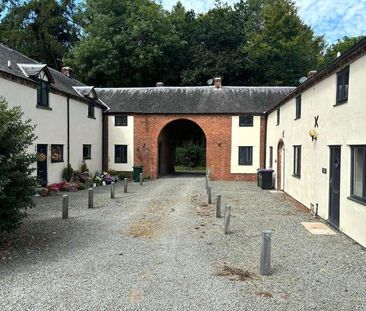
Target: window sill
column 296, row 176
column 87, row 159
column 246, row 125
column 357, row 200
column 341, row 102
column 120, row 162
column 57, row 161
column 90, row 117
column 43, row 107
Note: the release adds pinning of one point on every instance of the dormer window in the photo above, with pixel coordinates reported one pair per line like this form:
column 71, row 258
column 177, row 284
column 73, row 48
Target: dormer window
column 42, row 75
column 43, row 93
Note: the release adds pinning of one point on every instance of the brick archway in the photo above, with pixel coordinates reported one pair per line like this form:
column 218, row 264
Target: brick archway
column 217, row 129
column 174, row 134
column 280, row 165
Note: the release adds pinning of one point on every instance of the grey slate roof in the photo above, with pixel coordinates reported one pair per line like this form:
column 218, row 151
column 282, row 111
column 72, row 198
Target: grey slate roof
column 184, row 100
column 62, row 83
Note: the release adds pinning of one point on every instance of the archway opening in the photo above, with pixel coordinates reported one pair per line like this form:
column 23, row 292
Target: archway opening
column 181, row 148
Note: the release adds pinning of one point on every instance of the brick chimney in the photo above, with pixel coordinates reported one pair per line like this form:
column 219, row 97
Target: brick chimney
column 67, row 71
column 218, row 83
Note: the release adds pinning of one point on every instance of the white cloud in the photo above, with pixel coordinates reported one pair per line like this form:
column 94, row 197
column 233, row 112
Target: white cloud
column 332, row 18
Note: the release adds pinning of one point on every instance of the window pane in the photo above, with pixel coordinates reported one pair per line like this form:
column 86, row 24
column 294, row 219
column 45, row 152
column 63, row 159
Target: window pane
column 245, row 120
column 120, row 120
column 245, row 155
column 57, row 153
column 358, row 168
column 120, row 154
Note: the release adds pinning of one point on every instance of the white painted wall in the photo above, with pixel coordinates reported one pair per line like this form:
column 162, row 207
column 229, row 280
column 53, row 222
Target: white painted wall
column 51, row 126
column 341, row 125
column 121, row 135
column 245, row 136
column 85, row 131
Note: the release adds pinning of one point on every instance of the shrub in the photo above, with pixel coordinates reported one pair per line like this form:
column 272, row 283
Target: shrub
column 68, row 173
column 17, row 185
column 190, row 155
column 84, row 167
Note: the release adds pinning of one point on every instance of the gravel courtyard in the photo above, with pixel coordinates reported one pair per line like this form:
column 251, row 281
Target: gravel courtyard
column 160, row 247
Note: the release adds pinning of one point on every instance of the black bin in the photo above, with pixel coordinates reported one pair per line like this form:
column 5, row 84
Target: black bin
column 265, row 179
column 137, row 170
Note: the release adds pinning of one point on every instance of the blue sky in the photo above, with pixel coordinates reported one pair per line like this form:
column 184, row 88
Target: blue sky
column 332, row 18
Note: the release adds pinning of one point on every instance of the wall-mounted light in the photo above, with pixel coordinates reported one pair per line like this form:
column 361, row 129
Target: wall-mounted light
column 313, row 134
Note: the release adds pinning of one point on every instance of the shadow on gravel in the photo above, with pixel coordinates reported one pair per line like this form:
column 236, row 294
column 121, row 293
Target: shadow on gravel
column 45, row 238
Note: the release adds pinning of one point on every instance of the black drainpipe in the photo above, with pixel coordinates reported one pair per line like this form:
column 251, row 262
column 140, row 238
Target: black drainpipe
column 68, row 130
column 265, row 139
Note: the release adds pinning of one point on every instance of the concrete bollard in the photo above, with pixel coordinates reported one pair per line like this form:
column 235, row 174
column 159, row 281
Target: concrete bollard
column 125, row 186
column 265, row 264
column 209, row 197
column 113, row 191
column 227, row 219
column 65, row 206
column 141, row 179
column 218, row 206
column 90, row 198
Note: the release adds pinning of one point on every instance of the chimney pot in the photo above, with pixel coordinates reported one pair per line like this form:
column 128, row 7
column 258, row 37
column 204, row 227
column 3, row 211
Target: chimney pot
column 159, row 84
column 67, row 71
column 218, row 83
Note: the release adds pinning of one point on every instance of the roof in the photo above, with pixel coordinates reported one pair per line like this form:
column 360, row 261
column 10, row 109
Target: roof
column 184, row 100
column 352, row 54
column 29, row 67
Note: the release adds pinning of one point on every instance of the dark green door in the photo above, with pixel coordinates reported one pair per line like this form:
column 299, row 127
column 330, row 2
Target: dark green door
column 334, row 185
column 42, row 164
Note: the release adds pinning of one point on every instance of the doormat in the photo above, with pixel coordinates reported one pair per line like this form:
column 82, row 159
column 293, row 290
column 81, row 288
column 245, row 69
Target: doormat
column 318, row 228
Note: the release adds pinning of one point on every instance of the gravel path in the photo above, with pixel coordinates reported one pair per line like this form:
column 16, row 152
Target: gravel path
column 160, row 247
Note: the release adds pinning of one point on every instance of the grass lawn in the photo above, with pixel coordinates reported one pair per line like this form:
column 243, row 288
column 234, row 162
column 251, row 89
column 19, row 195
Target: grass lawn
column 185, row 169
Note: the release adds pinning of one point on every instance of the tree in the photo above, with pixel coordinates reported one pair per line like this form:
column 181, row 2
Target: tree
column 17, row 186
column 214, row 48
column 125, row 42
column 340, row 46
column 282, row 48
column 41, row 29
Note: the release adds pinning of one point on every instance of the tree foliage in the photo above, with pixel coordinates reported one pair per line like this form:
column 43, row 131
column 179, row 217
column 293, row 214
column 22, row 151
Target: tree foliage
column 41, row 29
column 138, row 43
column 17, row 185
column 340, row 46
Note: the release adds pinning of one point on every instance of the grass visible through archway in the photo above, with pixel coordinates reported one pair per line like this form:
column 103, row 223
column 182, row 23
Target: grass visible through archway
column 185, row 169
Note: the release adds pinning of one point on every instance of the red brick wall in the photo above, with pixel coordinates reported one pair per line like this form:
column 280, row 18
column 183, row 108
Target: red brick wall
column 217, row 129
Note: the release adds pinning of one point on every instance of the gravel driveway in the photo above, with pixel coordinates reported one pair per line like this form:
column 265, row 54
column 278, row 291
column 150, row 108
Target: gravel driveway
column 160, row 247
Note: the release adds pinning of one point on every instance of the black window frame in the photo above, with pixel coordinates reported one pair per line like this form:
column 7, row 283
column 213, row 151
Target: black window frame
column 363, row 186
column 278, row 116
column 43, row 93
column 91, row 109
column 89, row 153
column 297, row 161
column 247, row 157
column 123, row 157
column 342, row 86
column 246, row 121
column 270, row 157
column 62, row 153
column 298, row 107
column 119, row 123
